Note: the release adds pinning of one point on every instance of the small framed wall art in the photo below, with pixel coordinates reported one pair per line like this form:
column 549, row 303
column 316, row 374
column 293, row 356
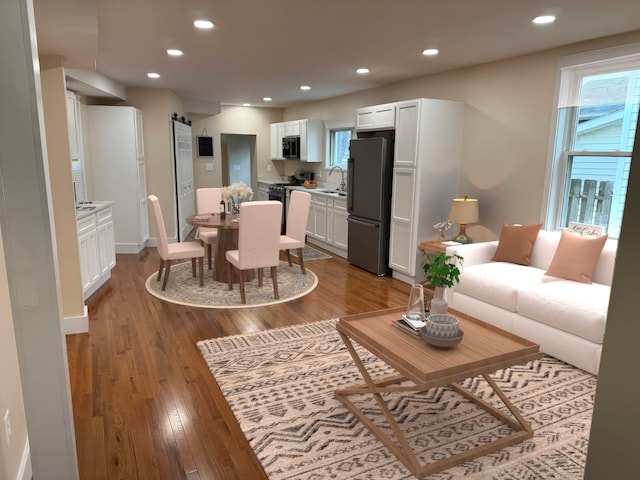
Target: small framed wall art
column 205, row 146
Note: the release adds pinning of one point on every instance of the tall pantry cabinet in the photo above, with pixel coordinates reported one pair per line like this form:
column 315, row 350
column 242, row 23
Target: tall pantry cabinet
column 117, row 157
column 428, row 149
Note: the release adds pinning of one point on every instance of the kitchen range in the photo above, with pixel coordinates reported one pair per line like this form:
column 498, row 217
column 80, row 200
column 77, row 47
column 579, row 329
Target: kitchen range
column 278, row 191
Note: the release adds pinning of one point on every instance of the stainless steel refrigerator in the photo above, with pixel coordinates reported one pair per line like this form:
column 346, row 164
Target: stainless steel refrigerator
column 369, row 203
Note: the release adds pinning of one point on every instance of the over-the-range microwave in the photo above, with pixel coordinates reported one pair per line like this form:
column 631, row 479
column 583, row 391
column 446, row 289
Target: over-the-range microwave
column 291, row 148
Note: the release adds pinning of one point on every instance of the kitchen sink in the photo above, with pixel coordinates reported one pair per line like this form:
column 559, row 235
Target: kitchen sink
column 338, row 193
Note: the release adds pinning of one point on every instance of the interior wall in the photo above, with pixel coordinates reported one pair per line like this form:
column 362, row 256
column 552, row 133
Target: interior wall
column 615, row 425
column 236, row 120
column 509, row 106
column 57, row 137
column 10, row 388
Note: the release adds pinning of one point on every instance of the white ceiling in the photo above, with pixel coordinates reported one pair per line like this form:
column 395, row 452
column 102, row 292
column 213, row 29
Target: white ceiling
column 270, row 47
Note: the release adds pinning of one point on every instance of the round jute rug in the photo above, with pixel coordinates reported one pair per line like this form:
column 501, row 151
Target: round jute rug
column 184, row 289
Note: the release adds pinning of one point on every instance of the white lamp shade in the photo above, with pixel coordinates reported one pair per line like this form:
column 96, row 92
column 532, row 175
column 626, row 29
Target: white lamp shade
column 464, row 210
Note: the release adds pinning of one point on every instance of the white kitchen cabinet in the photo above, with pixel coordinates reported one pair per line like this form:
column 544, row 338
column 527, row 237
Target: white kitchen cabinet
column 376, row 117
column 74, row 128
column 117, row 156
column 340, row 224
column 428, row 148
column 106, row 244
column 292, row 129
column 96, row 247
column 317, row 222
column 311, row 140
column 277, row 133
column 311, row 133
column 88, row 249
column 327, row 223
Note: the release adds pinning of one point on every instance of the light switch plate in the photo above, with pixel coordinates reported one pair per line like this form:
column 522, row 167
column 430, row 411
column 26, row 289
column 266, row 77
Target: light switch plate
column 208, row 167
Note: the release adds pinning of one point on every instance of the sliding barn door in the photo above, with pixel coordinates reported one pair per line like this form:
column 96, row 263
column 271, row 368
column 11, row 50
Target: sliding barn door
column 183, row 172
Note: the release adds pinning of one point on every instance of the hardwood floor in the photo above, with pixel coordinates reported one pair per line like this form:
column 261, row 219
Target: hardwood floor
column 144, row 402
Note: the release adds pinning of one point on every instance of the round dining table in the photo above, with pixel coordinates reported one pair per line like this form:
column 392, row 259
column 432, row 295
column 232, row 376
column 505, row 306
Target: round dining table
column 228, row 229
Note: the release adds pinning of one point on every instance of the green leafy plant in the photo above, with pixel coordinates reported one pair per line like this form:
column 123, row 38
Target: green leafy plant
column 440, row 269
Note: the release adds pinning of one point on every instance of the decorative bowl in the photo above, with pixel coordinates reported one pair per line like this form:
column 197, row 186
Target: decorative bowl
column 441, row 326
column 443, row 342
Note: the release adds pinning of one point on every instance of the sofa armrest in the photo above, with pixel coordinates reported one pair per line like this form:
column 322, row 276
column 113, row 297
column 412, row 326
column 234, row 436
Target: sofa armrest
column 474, row 253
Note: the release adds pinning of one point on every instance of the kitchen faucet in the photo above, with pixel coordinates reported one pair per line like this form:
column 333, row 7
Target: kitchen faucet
column 342, row 184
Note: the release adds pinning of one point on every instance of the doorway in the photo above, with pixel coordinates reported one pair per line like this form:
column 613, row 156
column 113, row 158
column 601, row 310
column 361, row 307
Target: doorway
column 238, row 159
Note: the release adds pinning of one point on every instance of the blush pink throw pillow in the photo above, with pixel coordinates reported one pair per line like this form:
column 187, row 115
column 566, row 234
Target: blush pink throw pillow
column 576, row 257
column 516, row 243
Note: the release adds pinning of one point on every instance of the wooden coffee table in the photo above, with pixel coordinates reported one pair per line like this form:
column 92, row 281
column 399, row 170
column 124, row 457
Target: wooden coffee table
column 483, row 350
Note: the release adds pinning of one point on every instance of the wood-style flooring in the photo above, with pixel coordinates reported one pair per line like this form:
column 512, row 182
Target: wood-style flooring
column 146, row 406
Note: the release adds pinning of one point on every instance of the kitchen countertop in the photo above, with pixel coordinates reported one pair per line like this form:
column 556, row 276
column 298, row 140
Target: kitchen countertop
column 320, row 191
column 84, row 209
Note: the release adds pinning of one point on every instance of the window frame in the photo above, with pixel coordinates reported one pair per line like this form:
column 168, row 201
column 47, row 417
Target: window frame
column 329, row 128
column 571, row 70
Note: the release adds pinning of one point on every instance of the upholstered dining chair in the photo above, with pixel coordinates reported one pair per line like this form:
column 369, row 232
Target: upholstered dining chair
column 173, row 251
column 297, row 216
column 208, row 201
column 258, row 242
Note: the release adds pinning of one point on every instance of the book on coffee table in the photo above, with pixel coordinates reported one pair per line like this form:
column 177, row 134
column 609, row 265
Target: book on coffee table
column 406, row 327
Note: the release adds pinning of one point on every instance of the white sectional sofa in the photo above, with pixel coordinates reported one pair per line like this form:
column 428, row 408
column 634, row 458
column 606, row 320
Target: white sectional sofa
column 566, row 318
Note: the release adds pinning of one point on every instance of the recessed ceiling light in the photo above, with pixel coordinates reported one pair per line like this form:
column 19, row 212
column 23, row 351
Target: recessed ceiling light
column 153, row 75
column 174, row 52
column 267, row 99
column 362, row 71
column 204, row 24
column 430, row 51
column 246, row 104
column 544, row 19
column 305, row 87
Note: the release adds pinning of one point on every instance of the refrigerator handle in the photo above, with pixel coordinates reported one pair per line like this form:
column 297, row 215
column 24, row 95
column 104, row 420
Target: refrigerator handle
column 364, row 224
column 350, row 187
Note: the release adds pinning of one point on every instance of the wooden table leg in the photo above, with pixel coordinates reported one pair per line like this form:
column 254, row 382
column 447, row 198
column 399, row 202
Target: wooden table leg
column 228, row 240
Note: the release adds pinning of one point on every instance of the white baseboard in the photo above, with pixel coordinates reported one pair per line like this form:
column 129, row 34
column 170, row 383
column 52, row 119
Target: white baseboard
column 25, row 472
column 129, row 247
column 404, row 278
column 79, row 324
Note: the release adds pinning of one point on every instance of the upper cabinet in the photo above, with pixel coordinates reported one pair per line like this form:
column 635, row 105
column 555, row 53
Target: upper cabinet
column 311, row 133
column 377, row 117
column 277, row 133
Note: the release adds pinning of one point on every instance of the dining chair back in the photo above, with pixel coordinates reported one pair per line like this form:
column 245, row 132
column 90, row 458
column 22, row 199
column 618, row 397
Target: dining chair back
column 208, row 201
column 173, row 251
column 297, row 217
column 258, row 241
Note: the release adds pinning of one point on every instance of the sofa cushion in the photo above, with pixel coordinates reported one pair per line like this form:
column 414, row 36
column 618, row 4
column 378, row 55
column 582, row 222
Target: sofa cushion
column 498, row 283
column 516, row 243
column 576, row 308
column 576, row 257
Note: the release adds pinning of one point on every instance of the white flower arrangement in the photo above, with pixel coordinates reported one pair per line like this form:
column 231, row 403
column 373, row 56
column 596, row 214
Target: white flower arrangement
column 235, row 194
column 442, row 227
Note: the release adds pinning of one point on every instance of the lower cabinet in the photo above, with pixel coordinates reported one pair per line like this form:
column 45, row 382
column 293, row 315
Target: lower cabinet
column 88, row 248
column 328, row 223
column 96, row 248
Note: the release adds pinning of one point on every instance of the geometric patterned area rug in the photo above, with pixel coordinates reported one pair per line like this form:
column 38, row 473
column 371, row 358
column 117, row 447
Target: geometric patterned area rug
column 310, row 253
column 184, row 289
column 279, row 384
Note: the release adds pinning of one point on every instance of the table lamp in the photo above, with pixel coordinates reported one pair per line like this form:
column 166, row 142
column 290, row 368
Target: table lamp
column 463, row 211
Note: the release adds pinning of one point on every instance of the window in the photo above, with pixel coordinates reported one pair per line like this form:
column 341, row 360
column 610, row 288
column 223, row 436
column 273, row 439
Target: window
column 338, row 135
column 596, row 124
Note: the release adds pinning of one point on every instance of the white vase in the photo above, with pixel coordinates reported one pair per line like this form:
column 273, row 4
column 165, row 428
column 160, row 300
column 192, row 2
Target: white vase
column 438, row 303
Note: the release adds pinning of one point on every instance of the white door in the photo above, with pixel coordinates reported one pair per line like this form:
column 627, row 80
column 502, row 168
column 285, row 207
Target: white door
column 185, row 194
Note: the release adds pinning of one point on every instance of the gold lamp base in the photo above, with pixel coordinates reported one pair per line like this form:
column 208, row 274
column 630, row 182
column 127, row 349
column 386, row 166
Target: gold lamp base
column 462, row 235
